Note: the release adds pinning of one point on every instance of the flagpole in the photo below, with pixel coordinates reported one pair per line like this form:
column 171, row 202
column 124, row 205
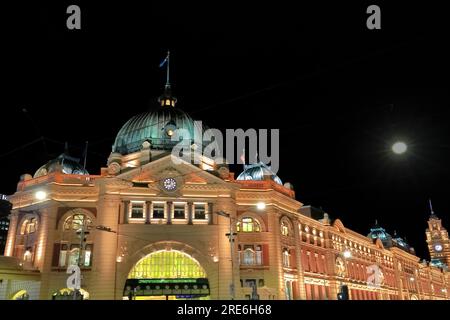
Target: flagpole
column 168, row 66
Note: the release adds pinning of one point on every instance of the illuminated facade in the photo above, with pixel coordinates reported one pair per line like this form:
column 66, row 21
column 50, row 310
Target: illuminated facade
column 146, row 228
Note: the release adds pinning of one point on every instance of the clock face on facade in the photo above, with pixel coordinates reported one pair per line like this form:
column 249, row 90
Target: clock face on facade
column 438, row 247
column 170, row 184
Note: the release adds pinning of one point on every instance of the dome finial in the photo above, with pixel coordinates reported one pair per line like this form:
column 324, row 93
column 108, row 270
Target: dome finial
column 167, row 99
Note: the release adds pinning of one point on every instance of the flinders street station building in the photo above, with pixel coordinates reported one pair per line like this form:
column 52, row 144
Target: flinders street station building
column 147, row 227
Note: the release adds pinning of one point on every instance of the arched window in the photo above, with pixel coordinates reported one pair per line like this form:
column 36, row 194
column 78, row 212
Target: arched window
column 75, row 222
column 248, row 224
column 29, row 226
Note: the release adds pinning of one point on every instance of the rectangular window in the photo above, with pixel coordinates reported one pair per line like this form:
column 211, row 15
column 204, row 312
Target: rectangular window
column 88, row 255
column 179, row 211
column 200, row 211
column 258, row 257
column 63, row 255
column 158, row 210
column 137, row 210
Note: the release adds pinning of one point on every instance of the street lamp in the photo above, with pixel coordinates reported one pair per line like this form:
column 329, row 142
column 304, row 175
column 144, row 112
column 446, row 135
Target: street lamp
column 40, row 195
column 260, row 206
column 347, row 254
column 231, row 236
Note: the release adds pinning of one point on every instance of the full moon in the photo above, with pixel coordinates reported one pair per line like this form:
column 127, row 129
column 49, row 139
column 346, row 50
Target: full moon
column 399, row 147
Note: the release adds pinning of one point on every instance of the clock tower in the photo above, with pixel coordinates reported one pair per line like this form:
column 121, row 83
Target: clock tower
column 438, row 241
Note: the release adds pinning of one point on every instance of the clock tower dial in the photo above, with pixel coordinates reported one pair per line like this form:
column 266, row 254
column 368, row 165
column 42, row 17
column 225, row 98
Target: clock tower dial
column 169, row 184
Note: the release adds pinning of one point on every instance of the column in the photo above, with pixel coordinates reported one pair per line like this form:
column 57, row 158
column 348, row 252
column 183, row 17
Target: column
column 169, row 212
column 298, row 257
column 210, row 213
column 103, row 274
column 126, row 209
column 49, row 283
column 148, row 207
column 190, row 208
column 12, row 232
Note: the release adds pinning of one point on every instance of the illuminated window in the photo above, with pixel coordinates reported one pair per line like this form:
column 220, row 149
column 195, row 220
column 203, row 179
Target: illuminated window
column 288, row 289
column 286, row 258
column 251, row 255
column 76, row 222
column 29, row 226
column 137, row 210
column 179, row 211
column 28, row 255
column 167, row 102
column 200, row 211
column 248, row 224
column 87, row 261
column 74, row 255
column 167, row 265
column 284, row 228
column 63, row 255
column 158, row 211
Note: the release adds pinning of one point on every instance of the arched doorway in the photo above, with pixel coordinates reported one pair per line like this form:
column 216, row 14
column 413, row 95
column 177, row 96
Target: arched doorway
column 167, row 274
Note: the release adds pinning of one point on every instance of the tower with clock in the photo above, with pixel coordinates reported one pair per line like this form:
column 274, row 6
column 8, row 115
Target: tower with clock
column 438, row 241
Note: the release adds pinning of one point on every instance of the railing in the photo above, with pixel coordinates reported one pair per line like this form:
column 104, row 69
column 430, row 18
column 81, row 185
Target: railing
column 57, row 177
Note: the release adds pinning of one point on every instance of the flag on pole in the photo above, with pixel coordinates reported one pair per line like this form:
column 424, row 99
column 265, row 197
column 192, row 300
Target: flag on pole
column 164, row 61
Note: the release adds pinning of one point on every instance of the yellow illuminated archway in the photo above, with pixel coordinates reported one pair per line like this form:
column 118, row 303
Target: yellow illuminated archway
column 20, row 295
column 167, row 264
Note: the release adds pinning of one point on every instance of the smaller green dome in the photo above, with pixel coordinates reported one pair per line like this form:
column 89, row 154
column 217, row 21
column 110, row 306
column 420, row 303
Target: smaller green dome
column 259, row 171
column 68, row 165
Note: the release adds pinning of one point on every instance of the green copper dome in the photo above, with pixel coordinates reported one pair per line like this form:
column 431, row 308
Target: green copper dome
column 156, row 127
column 64, row 162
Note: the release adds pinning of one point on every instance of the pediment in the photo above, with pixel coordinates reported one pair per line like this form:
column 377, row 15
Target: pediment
column 153, row 172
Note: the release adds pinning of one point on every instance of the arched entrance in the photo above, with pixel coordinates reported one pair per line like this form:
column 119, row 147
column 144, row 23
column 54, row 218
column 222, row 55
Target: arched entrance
column 167, row 274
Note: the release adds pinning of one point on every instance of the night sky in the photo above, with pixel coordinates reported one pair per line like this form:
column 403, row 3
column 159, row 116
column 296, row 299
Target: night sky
column 339, row 93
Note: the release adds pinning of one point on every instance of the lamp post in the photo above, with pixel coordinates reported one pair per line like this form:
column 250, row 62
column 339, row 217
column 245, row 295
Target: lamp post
column 231, row 236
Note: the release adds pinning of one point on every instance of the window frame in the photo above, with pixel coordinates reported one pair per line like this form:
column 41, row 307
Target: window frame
column 205, row 207
column 185, row 207
column 164, row 203
column 130, row 211
column 256, row 225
